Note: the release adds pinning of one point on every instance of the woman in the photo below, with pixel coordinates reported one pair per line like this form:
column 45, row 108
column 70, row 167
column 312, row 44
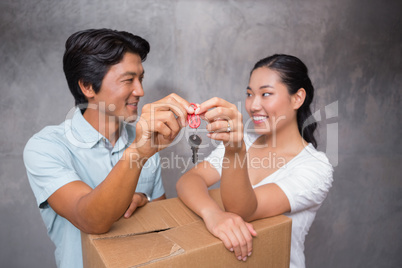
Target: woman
column 284, row 172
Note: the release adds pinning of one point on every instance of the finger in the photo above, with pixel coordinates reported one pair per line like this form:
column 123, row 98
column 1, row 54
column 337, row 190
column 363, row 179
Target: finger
column 220, row 113
column 159, row 126
column 185, row 104
column 130, row 210
column 243, row 245
column 220, row 126
column 235, row 245
column 248, row 238
column 212, row 103
column 170, row 121
column 162, row 122
column 226, row 241
column 225, row 137
column 179, row 106
column 179, row 112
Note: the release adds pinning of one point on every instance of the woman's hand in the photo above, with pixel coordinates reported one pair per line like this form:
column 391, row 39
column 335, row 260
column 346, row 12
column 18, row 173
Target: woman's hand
column 225, row 122
column 235, row 233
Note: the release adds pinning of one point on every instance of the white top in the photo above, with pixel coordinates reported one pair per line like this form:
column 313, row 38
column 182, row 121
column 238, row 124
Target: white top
column 306, row 180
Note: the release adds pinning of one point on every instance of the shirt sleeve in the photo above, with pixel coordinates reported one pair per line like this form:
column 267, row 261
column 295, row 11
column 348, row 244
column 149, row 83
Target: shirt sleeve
column 49, row 166
column 307, row 185
column 216, row 157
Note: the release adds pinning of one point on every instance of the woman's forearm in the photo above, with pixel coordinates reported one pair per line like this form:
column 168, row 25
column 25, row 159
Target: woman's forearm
column 193, row 191
column 237, row 193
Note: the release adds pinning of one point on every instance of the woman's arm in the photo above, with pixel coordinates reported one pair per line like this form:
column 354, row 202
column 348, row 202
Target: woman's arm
column 237, row 193
column 239, row 197
column 225, row 123
column 192, row 189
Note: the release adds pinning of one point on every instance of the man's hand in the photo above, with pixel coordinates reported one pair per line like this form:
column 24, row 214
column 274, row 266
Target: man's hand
column 139, row 200
column 159, row 124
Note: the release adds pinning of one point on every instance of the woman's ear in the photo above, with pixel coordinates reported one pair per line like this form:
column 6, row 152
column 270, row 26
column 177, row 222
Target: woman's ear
column 86, row 89
column 298, row 98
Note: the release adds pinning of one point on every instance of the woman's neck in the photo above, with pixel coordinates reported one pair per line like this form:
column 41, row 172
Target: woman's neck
column 286, row 140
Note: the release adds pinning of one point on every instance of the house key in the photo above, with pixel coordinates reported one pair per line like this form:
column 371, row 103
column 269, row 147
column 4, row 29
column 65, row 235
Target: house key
column 194, row 140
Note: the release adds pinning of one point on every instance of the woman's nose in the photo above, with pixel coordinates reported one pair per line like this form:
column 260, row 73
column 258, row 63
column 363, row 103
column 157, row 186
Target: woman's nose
column 256, row 104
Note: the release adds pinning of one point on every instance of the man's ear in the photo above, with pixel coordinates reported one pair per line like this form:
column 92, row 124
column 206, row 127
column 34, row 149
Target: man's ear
column 86, row 89
column 298, row 98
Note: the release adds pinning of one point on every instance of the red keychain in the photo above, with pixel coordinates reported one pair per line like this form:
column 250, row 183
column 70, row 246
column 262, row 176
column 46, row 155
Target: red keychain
column 194, row 120
column 194, row 140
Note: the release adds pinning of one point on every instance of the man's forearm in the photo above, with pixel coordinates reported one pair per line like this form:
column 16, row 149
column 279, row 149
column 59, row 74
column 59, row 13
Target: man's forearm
column 105, row 204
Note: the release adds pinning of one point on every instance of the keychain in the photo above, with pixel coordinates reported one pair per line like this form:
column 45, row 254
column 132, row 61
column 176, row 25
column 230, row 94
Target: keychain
column 194, row 121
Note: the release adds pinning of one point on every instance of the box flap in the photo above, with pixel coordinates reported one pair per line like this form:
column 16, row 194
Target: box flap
column 156, row 217
column 147, row 248
column 192, row 236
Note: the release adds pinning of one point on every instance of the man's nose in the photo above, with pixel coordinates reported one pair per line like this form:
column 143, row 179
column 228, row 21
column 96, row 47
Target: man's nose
column 138, row 91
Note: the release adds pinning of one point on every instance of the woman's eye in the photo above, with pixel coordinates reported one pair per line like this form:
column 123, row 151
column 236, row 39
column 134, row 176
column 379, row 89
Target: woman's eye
column 248, row 94
column 266, row 94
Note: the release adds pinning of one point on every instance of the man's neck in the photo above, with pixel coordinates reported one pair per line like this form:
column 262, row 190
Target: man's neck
column 108, row 126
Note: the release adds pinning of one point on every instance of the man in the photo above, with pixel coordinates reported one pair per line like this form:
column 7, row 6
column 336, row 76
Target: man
column 90, row 170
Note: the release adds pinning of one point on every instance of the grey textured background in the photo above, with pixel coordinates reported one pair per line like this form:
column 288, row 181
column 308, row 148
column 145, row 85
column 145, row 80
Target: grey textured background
column 201, row 49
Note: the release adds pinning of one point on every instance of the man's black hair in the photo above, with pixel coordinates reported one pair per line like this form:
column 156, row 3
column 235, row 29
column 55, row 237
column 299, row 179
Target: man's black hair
column 90, row 53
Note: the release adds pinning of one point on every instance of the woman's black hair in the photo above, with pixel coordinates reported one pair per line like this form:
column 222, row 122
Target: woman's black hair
column 294, row 74
column 90, row 53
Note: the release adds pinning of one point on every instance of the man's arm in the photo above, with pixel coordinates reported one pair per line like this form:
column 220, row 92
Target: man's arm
column 95, row 210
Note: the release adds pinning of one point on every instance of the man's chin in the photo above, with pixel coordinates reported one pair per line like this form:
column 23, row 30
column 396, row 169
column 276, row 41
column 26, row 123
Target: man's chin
column 131, row 119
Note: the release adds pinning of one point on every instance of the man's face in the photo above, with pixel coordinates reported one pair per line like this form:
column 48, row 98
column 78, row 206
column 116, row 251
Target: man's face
column 121, row 89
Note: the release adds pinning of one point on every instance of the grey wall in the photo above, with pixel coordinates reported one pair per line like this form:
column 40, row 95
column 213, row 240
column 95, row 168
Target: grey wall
column 201, row 49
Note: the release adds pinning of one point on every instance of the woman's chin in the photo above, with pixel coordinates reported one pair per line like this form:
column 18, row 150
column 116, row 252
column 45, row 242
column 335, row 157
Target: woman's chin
column 262, row 130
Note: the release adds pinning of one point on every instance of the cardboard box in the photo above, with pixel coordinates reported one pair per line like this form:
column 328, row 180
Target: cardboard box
column 167, row 234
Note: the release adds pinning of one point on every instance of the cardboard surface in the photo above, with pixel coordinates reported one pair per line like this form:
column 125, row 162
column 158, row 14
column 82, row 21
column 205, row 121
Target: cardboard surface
column 167, row 234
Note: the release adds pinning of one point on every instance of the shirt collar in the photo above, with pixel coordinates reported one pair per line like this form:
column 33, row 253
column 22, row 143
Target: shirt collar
column 83, row 131
column 122, row 142
column 83, row 134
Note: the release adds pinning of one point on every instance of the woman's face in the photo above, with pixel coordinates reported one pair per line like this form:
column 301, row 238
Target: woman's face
column 268, row 102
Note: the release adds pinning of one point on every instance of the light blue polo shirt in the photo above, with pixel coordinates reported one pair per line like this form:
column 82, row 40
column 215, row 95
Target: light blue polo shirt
column 74, row 151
